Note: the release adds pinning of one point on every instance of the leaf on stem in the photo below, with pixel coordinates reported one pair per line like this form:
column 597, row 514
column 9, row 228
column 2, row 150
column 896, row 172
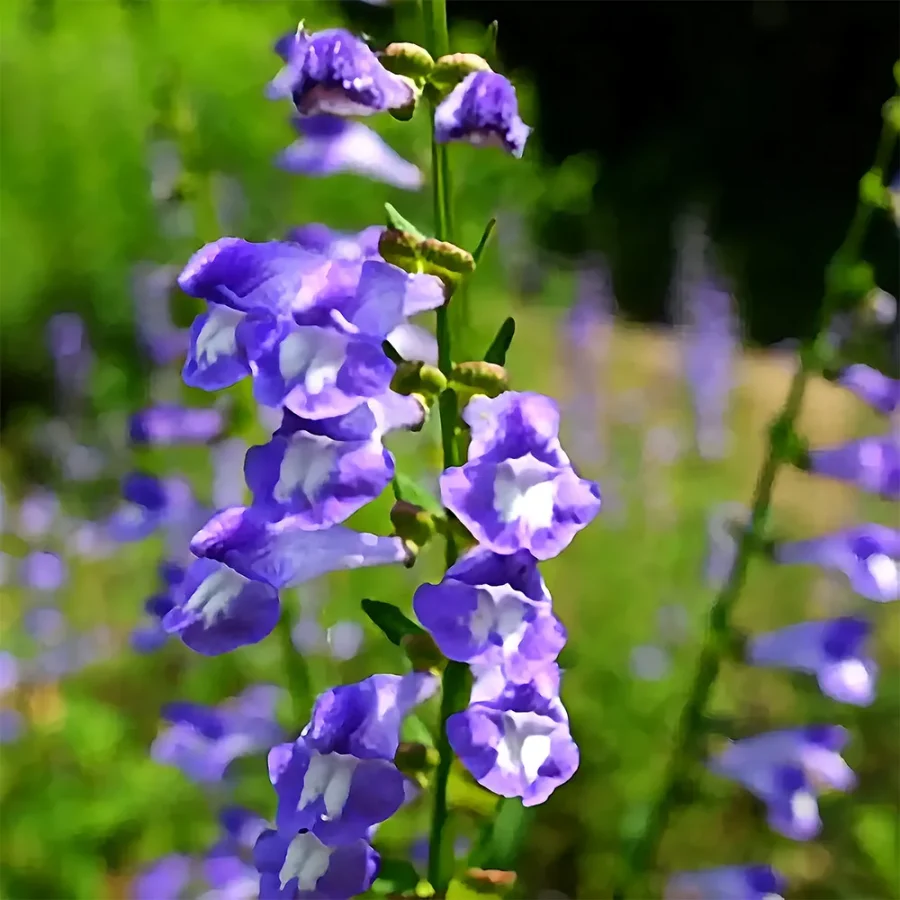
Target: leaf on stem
column 392, row 623
column 496, row 353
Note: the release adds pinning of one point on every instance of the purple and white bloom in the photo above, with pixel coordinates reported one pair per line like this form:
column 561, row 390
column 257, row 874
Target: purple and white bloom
column 334, row 72
column 414, row 342
column 867, row 554
column 319, row 480
column 727, row 883
column 149, row 635
column 491, row 624
column 217, row 610
column 517, row 745
column 833, row 650
column 338, row 796
column 203, row 741
column 482, row 110
column 363, row 719
column 786, row 769
column 303, row 868
column 168, row 425
column 330, row 145
column 215, row 360
column 43, row 571
column 879, row 391
column 337, row 245
column 518, row 491
column 284, row 553
column 870, row 463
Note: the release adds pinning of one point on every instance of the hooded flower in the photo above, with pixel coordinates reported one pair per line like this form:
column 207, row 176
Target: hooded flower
column 283, row 553
column 518, row 490
column 319, row 238
column 879, row 391
column 867, row 554
column 330, row 145
column 217, row 610
column 727, row 883
column 786, row 769
column 482, row 110
column 517, row 745
column 834, row 651
column 203, row 741
column 301, row 867
column 871, row 463
column 334, row 72
column 169, row 425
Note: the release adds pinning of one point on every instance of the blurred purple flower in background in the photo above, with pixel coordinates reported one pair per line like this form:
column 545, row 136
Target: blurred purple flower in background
column 330, row 145
column 38, row 512
column 168, row 425
column 72, row 356
column 727, row 883
column 879, row 391
column 705, row 317
column 151, row 287
column 870, row 463
column 43, row 571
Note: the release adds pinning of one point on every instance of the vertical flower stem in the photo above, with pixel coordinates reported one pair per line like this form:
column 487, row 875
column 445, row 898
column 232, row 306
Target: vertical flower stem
column 455, row 680
column 642, row 853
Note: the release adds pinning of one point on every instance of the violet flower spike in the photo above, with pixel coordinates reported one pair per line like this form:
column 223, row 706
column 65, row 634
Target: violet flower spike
column 334, row 72
column 482, row 110
column 330, row 145
column 757, row 882
column 867, row 554
column 870, row 463
column 871, row 386
column 167, row 426
column 833, row 650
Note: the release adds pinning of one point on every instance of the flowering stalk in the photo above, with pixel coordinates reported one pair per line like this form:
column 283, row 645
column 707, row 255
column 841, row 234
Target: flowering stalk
column 781, row 450
column 454, row 683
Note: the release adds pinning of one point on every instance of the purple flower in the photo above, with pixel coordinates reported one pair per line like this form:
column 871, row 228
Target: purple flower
column 217, row 610
column 336, row 245
column 12, row 724
column 215, row 360
column 43, row 571
column 283, row 553
column 46, row 624
column 727, row 883
column 331, row 146
column 151, row 286
column 149, row 504
column 203, row 741
column 68, row 343
column 363, row 719
column 334, row 72
column 38, row 512
column 169, row 425
column 482, row 110
column 301, row 867
column 228, row 463
column 871, row 463
column 9, row 672
column 518, row 490
column 833, row 651
column 517, row 745
column 320, row 480
column 345, row 640
column 164, row 879
column 414, row 342
column 490, row 623
column 866, row 554
column 785, row 769
column 879, row 391
column 338, row 796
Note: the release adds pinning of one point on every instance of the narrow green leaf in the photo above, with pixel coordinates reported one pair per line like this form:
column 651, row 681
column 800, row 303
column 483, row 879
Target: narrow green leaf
column 394, row 624
column 408, row 489
column 485, row 237
column 395, row 220
column 496, row 353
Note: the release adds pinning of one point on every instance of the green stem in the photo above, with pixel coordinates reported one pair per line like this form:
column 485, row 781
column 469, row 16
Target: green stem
column 455, row 680
column 690, row 725
column 299, row 682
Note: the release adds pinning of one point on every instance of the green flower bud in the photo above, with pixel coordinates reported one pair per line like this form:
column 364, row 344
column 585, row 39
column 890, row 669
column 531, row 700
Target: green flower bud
column 422, row 652
column 400, row 249
column 450, row 70
column 446, row 260
column 412, row 523
column 411, row 759
column 416, row 378
column 407, row 59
